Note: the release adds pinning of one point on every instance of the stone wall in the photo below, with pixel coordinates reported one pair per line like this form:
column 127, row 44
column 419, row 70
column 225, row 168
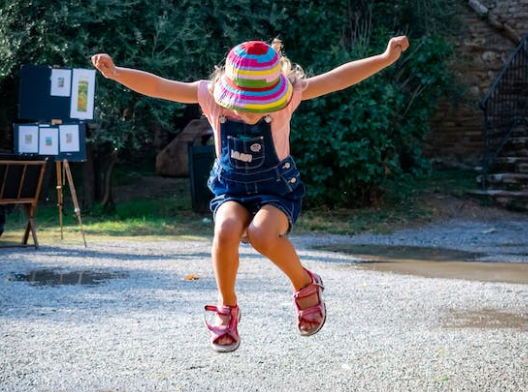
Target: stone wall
column 491, row 31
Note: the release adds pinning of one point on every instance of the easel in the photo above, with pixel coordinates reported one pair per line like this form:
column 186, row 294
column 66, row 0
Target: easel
column 61, row 169
column 65, row 98
column 20, row 183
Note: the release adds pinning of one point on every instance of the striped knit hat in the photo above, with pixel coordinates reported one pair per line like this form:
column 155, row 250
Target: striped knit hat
column 253, row 81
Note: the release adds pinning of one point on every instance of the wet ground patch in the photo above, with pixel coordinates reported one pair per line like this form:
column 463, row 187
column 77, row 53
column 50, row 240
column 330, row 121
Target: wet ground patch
column 49, row 277
column 485, row 319
column 432, row 263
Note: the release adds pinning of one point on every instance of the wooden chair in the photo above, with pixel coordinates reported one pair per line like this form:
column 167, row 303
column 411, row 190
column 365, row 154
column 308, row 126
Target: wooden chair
column 21, row 182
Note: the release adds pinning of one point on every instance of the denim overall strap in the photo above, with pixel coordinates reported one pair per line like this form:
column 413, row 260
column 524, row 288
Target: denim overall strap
column 247, row 148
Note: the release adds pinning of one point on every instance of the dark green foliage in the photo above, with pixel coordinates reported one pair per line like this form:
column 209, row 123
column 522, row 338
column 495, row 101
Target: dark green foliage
column 347, row 144
column 180, row 40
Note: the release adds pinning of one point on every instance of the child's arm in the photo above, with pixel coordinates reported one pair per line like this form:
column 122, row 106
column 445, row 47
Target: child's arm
column 354, row 72
column 146, row 83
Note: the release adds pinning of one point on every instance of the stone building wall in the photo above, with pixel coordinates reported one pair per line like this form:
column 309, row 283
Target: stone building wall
column 491, row 32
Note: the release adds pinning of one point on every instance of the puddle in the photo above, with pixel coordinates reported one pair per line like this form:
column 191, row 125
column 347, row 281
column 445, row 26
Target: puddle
column 433, row 263
column 56, row 278
column 486, row 319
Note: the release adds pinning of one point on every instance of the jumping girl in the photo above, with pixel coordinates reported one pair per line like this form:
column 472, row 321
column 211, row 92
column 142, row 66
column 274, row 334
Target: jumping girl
column 256, row 185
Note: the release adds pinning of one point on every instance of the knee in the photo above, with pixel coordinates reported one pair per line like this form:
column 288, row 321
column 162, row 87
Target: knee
column 228, row 231
column 261, row 239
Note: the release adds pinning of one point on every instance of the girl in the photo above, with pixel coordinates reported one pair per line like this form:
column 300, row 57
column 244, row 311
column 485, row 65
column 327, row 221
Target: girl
column 256, row 185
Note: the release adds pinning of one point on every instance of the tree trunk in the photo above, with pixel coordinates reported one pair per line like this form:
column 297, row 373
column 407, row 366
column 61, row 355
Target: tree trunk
column 89, row 177
column 108, row 201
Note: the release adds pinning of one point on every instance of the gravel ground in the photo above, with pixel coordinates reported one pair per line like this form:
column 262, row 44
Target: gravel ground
column 139, row 325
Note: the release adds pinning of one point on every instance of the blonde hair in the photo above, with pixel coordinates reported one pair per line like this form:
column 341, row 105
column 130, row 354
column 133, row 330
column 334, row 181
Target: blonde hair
column 293, row 72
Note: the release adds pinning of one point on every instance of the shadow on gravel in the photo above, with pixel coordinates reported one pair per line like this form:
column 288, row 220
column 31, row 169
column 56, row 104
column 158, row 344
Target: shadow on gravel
column 95, row 252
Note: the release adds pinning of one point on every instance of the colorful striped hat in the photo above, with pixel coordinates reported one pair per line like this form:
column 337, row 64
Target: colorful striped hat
column 253, row 81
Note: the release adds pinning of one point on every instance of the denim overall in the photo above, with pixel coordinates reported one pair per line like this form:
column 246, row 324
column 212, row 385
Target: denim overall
column 249, row 172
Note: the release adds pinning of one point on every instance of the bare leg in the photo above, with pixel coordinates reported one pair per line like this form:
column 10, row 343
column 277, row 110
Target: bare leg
column 231, row 221
column 266, row 234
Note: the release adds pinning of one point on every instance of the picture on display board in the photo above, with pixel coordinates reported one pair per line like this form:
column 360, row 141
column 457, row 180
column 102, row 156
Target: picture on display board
column 48, row 141
column 69, row 138
column 83, row 92
column 61, row 82
column 28, row 142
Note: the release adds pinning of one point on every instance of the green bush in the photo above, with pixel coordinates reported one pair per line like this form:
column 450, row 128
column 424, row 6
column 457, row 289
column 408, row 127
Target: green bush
column 349, row 144
column 348, row 148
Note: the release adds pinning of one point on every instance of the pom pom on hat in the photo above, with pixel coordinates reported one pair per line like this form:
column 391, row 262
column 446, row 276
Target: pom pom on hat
column 253, row 80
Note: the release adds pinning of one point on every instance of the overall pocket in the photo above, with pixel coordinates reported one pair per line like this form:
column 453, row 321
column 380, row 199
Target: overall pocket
column 246, row 152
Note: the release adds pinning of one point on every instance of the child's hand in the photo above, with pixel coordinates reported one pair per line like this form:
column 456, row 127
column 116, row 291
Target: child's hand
column 395, row 48
column 104, row 64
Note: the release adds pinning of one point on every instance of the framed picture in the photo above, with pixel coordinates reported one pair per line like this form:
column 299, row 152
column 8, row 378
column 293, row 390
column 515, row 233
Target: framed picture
column 28, row 141
column 48, row 140
column 69, row 138
column 61, row 82
column 83, row 92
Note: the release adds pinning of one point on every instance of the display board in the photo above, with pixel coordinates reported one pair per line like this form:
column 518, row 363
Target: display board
column 64, row 141
column 47, row 94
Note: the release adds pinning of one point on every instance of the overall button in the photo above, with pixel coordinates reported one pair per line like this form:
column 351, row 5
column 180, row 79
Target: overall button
column 293, row 180
column 286, row 165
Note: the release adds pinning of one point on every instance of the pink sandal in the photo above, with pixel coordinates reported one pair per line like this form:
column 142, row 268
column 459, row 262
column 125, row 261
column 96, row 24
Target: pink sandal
column 314, row 314
column 219, row 331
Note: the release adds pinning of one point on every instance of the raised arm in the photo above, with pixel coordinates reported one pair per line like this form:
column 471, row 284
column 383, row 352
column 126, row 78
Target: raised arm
column 354, row 72
column 146, row 83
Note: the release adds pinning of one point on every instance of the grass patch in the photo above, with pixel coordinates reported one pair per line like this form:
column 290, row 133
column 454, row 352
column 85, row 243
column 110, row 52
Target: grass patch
column 404, row 203
column 171, row 217
column 373, row 220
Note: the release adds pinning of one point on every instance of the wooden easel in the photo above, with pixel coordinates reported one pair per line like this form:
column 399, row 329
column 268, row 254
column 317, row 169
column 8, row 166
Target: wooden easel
column 64, row 167
column 23, row 189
